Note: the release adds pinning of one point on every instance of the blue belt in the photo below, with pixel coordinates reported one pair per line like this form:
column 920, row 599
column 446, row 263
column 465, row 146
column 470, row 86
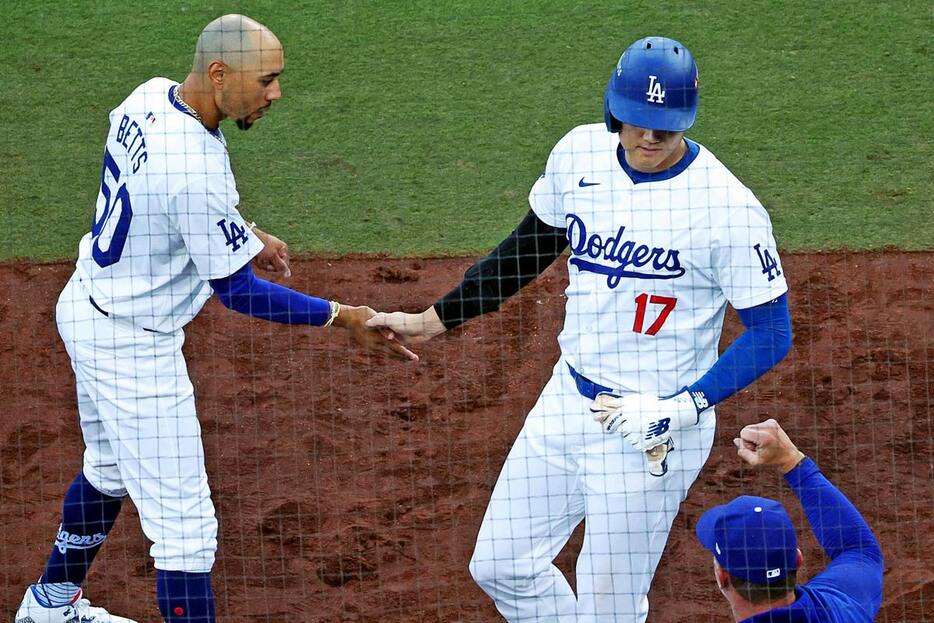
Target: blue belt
column 98, row 308
column 586, row 387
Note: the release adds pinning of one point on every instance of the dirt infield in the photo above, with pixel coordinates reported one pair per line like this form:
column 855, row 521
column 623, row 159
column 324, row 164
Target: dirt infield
column 350, row 488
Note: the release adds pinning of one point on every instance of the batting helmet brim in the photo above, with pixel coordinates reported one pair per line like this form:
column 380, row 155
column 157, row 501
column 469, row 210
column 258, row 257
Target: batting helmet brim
column 648, row 116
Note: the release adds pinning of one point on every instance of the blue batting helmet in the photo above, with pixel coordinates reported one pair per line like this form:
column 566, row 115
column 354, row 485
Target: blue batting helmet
column 654, row 86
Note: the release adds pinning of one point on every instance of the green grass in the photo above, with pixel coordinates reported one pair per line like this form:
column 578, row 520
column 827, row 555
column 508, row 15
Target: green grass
column 417, row 128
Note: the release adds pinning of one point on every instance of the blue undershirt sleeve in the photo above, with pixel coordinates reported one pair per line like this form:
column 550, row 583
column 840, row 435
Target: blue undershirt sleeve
column 765, row 342
column 246, row 293
column 856, row 562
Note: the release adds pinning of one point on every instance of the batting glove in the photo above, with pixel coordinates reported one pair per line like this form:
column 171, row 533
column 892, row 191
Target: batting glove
column 644, row 420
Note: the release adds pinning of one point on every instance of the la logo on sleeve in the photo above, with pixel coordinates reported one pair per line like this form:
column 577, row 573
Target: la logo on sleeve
column 768, row 262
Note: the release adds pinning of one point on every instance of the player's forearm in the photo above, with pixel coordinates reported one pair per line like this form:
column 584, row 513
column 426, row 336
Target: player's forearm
column 245, row 293
column 765, row 342
column 515, row 262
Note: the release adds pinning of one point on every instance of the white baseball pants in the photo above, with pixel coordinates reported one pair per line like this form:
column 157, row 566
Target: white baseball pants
column 561, row 469
column 142, row 437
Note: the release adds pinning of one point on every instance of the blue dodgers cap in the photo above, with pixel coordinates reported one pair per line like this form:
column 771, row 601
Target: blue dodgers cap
column 753, row 538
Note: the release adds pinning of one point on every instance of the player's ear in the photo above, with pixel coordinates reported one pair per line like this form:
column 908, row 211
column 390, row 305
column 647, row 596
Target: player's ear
column 217, row 71
column 721, row 576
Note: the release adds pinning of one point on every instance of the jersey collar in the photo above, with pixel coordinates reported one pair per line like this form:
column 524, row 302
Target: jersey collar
column 638, row 177
column 216, row 133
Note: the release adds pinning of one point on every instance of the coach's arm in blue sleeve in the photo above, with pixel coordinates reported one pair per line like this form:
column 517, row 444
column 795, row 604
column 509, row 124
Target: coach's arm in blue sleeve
column 852, row 582
column 754, row 544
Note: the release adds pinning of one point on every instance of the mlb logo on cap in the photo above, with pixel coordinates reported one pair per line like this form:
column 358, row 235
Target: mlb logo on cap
column 751, row 537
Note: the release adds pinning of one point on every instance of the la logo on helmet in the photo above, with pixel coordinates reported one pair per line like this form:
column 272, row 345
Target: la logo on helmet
column 655, row 92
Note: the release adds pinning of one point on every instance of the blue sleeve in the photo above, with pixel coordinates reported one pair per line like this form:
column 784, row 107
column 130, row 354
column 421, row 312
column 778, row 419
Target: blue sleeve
column 765, row 342
column 244, row 292
column 856, row 563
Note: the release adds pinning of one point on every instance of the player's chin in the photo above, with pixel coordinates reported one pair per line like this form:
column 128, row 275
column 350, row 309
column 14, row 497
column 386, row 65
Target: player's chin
column 245, row 123
column 648, row 159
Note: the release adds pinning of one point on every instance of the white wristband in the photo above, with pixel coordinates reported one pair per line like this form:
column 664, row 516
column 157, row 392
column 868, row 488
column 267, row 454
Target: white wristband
column 335, row 309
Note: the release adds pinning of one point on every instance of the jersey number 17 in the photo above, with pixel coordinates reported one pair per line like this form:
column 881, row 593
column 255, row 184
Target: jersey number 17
column 642, row 302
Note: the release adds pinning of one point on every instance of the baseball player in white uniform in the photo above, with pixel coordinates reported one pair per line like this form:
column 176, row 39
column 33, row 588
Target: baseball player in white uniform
column 165, row 236
column 662, row 236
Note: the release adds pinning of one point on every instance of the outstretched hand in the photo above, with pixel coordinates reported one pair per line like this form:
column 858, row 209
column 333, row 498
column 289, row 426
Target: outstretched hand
column 767, row 444
column 408, row 328
column 354, row 319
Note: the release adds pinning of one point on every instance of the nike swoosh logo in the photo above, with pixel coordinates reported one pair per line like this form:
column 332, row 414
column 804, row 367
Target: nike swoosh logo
column 584, row 184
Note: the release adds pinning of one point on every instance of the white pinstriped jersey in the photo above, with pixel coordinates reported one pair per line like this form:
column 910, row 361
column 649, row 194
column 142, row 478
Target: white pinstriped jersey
column 652, row 264
column 166, row 218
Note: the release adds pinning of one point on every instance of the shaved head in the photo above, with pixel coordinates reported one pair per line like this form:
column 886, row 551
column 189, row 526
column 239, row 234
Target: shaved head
column 237, row 41
column 235, row 72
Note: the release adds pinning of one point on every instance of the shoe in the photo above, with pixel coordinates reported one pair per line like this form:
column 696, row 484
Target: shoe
column 79, row 611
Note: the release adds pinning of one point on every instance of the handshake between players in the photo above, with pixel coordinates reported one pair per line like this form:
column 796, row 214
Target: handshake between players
column 274, row 258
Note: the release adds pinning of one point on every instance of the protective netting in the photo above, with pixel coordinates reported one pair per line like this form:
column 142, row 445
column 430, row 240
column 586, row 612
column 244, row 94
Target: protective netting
column 338, row 484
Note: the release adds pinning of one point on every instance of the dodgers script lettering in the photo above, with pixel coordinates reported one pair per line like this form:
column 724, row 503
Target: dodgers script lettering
column 627, row 255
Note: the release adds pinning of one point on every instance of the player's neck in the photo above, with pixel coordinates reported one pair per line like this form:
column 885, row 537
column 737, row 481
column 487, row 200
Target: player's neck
column 743, row 610
column 193, row 93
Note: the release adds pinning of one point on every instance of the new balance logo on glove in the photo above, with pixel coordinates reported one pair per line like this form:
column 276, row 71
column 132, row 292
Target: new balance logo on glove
column 658, row 427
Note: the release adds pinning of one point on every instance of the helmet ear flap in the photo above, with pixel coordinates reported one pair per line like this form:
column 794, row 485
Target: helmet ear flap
column 613, row 124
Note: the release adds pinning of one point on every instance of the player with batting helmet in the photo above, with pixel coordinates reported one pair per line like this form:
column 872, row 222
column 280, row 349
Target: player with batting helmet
column 662, row 237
